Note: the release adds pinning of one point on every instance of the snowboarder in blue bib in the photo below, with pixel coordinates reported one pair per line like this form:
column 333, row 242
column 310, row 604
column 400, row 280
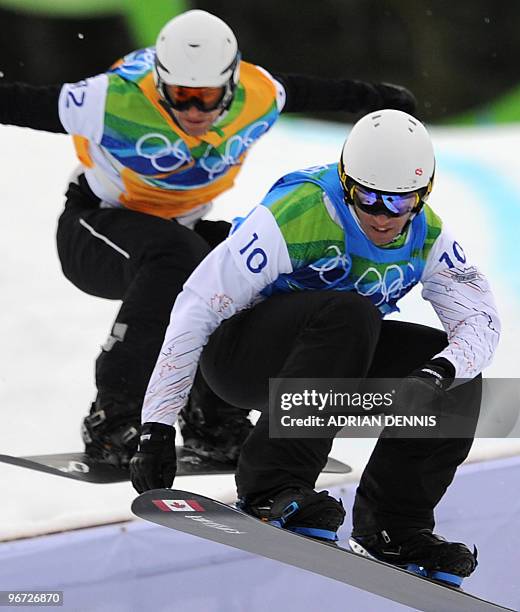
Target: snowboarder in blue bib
column 300, row 289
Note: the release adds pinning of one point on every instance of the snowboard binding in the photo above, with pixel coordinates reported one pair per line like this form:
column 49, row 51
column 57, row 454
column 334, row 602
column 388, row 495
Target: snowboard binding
column 302, row 511
column 423, row 553
column 447, row 578
column 111, row 430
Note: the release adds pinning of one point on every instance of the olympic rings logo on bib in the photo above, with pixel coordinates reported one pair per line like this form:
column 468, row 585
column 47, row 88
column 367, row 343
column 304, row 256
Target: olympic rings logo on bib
column 386, row 287
column 215, row 163
column 165, row 158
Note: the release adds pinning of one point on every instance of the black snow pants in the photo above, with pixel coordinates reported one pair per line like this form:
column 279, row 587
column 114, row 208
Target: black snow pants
column 140, row 259
column 335, row 335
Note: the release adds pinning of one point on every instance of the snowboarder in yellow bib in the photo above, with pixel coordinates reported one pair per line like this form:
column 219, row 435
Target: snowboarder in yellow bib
column 159, row 136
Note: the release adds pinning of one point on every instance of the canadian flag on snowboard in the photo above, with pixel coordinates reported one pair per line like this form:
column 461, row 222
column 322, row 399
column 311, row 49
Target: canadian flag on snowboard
column 178, row 505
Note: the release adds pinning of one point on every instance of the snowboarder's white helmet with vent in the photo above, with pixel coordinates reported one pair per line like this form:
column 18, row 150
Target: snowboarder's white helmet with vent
column 197, row 49
column 390, row 151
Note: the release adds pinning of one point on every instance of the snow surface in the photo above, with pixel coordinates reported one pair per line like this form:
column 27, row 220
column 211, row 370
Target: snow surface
column 51, row 332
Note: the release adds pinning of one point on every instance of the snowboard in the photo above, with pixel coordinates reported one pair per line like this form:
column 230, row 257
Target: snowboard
column 209, row 519
column 79, row 466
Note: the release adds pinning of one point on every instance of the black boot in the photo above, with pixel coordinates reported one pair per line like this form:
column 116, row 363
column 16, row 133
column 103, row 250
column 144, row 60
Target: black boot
column 111, row 430
column 424, row 553
column 317, row 515
column 210, row 427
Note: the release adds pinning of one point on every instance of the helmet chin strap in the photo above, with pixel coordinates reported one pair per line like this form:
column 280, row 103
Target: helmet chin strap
column 414, row 214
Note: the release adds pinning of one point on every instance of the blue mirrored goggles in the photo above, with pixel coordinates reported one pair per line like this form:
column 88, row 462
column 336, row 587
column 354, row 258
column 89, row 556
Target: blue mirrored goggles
column 377, row 202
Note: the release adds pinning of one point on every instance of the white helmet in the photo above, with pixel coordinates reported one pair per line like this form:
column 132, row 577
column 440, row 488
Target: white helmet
column 390, row 151
column 197, row 49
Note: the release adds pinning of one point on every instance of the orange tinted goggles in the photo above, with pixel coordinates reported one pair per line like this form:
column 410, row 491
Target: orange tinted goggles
column 204, row 98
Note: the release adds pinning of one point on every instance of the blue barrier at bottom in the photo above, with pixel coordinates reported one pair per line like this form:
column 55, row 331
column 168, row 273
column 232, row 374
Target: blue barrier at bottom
column 139, row 566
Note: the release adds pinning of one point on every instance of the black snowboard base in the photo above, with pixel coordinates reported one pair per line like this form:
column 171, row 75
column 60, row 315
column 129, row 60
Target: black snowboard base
column 79, row 466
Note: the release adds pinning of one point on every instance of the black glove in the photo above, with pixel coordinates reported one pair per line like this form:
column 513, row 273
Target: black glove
column 423, row 392
column 389, row 95
column 155, row 463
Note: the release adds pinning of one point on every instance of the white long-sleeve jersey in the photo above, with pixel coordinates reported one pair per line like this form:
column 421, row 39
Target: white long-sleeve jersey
column 234, row 275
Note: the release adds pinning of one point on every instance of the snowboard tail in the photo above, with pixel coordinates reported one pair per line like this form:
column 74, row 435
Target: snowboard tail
column 80, row 466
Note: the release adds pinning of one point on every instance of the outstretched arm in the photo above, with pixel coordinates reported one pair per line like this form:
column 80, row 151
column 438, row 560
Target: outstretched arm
column 31, row 106
column 461, row 297
column 463, row 301
column 314, row 94
column 228, row 280
column 73, row 108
